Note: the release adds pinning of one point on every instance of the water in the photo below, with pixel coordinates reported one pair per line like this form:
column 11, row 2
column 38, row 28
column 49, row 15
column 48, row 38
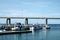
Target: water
column 51, row 34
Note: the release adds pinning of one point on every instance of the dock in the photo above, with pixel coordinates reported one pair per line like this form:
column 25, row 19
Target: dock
column 14, row 32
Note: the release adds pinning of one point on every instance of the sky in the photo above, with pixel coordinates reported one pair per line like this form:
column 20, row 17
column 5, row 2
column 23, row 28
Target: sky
column 27, row 8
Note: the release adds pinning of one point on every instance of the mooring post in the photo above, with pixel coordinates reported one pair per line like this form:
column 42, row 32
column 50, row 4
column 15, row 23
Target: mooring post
column 8, row 21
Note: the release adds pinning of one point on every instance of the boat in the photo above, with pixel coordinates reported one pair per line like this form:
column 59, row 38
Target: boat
column 46, row 27
column 37, row 27
column 20, row 27
column 17, row 27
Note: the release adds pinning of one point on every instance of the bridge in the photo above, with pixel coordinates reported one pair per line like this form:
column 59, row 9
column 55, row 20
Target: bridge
column 8, row 19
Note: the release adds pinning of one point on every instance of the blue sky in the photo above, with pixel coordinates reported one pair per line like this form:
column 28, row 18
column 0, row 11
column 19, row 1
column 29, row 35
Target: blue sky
column 41, row 8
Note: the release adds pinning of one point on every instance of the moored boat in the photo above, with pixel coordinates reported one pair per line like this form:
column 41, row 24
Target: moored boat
column 37, row 27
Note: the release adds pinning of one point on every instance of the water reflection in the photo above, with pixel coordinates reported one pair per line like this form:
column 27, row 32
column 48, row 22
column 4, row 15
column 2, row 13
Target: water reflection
column 44, row 34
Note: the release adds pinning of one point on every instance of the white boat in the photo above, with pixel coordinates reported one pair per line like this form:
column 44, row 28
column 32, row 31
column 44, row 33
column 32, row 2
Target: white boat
column 15, row 28
column 46, row 27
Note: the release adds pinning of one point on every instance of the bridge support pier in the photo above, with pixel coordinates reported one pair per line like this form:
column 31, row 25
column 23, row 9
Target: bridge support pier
column 26, row 21
column 8, row 21
column 46, row 22
column 26, row 24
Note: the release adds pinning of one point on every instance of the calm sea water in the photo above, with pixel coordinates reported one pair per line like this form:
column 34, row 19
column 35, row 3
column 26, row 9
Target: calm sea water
column 51, row 34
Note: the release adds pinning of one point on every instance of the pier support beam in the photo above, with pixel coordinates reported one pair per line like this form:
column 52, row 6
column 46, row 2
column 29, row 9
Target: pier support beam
column 8, row 21
column 26, row 21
